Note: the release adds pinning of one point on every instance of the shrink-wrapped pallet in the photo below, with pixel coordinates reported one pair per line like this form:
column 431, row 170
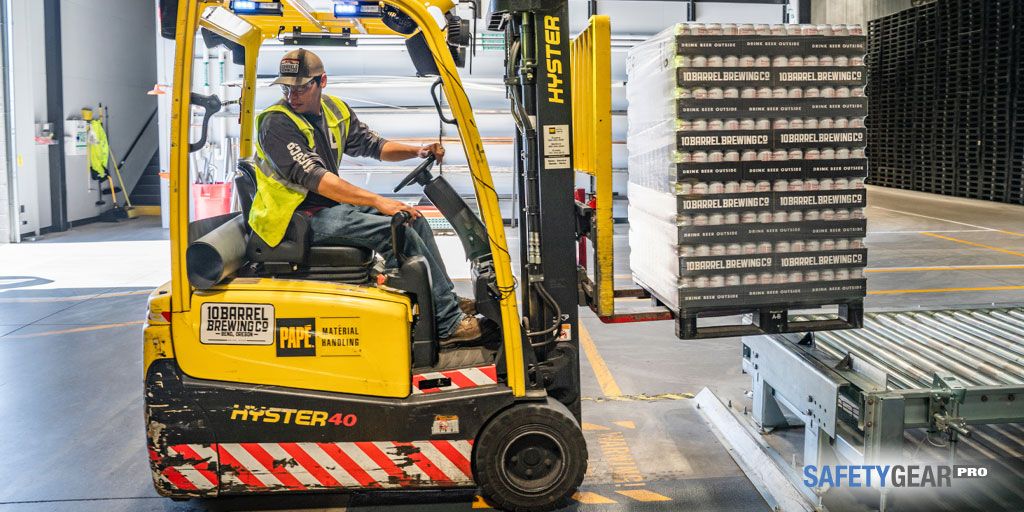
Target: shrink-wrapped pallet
column 746, row 165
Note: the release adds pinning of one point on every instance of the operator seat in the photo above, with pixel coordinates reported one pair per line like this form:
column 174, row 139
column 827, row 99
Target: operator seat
column 295, row 255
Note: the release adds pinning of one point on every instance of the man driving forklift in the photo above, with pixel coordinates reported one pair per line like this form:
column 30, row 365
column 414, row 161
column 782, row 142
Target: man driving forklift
column 300, row 143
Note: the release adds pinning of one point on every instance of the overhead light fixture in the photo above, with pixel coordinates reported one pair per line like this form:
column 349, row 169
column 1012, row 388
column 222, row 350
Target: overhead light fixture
column 254, row 8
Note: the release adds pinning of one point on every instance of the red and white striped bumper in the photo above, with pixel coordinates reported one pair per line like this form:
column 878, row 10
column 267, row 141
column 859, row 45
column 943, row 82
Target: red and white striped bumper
column 267, row 467
column 461, row 379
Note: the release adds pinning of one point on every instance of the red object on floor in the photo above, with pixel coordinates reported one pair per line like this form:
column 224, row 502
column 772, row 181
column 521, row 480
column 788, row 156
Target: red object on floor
column 211, row 199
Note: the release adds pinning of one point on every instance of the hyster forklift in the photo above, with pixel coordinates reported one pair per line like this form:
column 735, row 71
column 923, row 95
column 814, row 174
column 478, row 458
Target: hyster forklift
column 307, row 368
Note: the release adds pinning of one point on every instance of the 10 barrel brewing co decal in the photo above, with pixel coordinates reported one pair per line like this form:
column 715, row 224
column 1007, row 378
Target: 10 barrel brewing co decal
column 223, row 323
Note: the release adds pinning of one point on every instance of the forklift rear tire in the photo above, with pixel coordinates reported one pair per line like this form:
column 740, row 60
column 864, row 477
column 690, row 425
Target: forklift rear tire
column 531, row 458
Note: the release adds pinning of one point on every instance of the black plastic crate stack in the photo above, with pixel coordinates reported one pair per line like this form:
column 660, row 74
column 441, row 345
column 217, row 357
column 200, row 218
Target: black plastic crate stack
column 1015, row 184
column 944, row 99
column 746, row 171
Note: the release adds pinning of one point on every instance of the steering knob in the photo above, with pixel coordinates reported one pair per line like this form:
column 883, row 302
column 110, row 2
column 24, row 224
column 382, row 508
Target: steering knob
column 421, row 174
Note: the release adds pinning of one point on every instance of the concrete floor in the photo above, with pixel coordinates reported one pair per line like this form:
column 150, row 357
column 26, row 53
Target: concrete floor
column 71, row 309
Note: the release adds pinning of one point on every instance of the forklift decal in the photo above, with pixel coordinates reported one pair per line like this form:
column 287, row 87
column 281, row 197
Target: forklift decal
column 234, row 467
column 296, row 337
column 306, row 417
column 552, row 38
column 236, row 324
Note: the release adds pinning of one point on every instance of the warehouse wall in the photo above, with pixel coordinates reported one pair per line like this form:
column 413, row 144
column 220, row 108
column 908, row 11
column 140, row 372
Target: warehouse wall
column 108, row 58
column 854, row 11
column 29, row 90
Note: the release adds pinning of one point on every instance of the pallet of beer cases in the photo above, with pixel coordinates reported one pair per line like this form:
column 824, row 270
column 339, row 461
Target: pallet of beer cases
column 746, row 174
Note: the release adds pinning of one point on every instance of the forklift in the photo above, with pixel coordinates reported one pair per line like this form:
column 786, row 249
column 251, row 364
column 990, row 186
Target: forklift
column 307, row 368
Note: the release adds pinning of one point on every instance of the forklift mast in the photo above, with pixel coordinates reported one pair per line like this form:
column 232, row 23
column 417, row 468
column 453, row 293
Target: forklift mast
column 537, row 76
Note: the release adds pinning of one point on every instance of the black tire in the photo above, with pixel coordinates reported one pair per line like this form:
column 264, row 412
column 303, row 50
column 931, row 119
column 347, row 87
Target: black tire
column 530, row 458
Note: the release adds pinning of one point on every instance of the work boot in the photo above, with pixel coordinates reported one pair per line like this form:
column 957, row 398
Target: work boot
column 467, row 331
column 468, row 306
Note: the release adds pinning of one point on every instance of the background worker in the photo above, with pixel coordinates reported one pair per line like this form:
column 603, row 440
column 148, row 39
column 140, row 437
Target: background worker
column 301, row 140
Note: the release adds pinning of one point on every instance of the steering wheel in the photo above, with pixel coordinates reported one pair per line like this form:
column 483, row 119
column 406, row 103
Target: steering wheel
column 421, row 174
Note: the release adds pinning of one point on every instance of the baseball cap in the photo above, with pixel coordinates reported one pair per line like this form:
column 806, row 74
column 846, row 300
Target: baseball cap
column 298, row 67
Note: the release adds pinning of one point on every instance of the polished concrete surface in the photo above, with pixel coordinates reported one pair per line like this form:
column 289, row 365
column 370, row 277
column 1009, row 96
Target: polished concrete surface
column 72, row 305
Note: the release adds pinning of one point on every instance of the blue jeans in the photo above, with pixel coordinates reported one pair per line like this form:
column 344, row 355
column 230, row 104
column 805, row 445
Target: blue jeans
column 364, row 226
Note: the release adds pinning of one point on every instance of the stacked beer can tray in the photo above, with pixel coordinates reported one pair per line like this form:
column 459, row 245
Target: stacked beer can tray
column 747, row 166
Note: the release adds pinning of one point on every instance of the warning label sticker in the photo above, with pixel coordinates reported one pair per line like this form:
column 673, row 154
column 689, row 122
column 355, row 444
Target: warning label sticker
column 556, row 140
column 559, row 162
column 224, row 323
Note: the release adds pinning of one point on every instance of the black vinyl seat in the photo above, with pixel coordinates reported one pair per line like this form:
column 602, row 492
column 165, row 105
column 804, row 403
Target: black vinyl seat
column 295, row 254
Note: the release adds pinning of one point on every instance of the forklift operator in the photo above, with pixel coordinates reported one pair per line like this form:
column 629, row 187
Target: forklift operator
column 300, row 144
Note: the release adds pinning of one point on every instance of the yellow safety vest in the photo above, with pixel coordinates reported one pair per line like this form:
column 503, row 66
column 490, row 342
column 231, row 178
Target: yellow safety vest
column 277, row 197
column 99, row 150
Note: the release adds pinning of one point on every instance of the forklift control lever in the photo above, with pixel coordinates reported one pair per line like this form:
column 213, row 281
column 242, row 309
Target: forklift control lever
column 398, row 222
column 421, row 174
column 211, row 105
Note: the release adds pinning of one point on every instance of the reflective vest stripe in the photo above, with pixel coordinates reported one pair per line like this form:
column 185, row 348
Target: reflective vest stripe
column 276, row 196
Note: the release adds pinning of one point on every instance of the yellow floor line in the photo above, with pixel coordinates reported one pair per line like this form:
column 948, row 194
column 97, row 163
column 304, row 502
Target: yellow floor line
column 947, row 290
column 625, row 424
column 480, row 502
column 604, row 375
column 589, row 498
column 72, row 331
column 886, row 270
column 591, row 427
column 644, row 495
column 1010, row 232
column 975, row 244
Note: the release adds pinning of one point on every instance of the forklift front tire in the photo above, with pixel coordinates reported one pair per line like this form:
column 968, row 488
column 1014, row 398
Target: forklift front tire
column 531, row 458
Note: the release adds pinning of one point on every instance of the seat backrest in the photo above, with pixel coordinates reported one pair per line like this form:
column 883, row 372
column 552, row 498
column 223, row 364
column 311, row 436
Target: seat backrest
column 245, row 185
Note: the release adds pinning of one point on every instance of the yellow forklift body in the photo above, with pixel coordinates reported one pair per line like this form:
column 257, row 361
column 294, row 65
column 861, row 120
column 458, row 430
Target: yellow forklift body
column 314, row 336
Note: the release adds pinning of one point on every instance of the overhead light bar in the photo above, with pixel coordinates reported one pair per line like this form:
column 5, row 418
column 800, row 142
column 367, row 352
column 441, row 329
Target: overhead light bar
column 353, row 9
column 254, row 8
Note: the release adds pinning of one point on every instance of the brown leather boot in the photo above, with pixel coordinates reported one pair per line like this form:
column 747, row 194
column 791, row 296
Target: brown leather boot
column 468, row 306
column 467, row 331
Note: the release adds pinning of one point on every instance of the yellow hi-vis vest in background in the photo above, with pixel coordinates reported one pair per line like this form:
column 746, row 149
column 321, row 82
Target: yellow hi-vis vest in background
column 99, row 149
column 277, row 197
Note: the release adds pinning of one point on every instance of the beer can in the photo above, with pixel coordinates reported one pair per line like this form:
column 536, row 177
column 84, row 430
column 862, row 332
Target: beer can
column 749, row 279
column 796, row 277
column 732, row 218
column 780, row 61
column 780, row 278
column 841, row 122
column 700, row 157
column 763, row 124
column 732, row 156
column 810, row 123
column 702, row 250
column 731, row 187
column 748, row 92
column 811, row 276
column 828, row 244
column 828, row 214
column 715, row 61
column 749, row 248
column 828, row 154
column 810, row 60
column 716, row 219
column 716, row 281
column 716, row 187
column 748, row 186
column 765, row 278
column 795, row 216
column 748, row 217
column 764, row 217
column 718, row 250
column 842, row 214
column 780, row 216
column 811, row 153
column 796, row 246
column 842, row 244
column 796, row 185
column 748, row 156
column 828, row 275
column 810, row 246
column 762, row 61
column 842, row 61
column 796, row 61
column 699, row 61
column 782, row 246
column 765, row 155
column 842, row 153
column 732, row 124
column 826, row 60
column 811, row 184
column 796, row 123
column 733, row 280
column 812, row 215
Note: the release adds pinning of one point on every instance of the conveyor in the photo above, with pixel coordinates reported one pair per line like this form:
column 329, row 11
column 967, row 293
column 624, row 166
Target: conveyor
column 953, row 378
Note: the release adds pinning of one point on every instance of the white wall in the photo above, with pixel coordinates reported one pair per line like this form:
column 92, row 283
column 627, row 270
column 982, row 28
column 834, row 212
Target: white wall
column 29, row 92
column 108, row 54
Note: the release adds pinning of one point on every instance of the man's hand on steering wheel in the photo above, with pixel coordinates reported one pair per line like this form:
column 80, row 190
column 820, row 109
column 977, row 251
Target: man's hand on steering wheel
column 435, row 149
column 390, row 207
